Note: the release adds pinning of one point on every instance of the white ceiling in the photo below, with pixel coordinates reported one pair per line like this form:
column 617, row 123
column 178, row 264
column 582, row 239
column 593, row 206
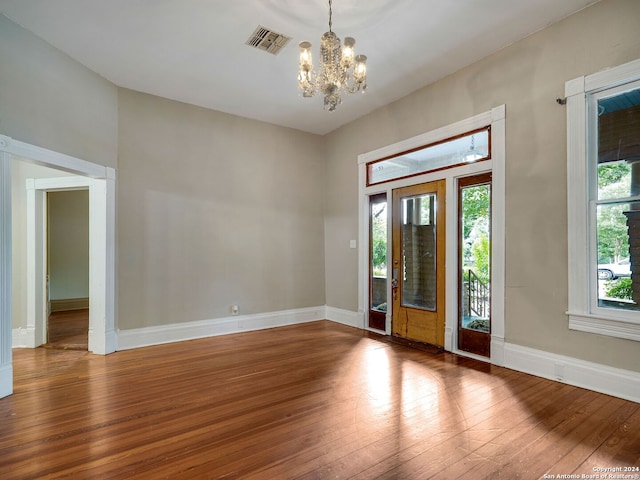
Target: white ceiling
column 194, row 50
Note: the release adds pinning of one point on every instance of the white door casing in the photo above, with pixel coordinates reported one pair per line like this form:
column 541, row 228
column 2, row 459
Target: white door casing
column 6, row 367
column 101, row 183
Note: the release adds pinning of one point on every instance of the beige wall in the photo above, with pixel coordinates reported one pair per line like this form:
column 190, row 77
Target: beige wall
column 21, row 171
column 526, row 77
column 68, row 228
column 214, row 209
column 49, row 100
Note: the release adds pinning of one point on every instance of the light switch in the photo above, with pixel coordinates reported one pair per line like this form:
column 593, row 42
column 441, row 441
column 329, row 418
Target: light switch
column 352, row 244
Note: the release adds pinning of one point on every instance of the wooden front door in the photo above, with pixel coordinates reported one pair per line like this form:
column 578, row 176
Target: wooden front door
column 418, row 270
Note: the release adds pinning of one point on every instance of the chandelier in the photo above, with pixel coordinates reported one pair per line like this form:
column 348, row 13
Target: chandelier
column 340, row 69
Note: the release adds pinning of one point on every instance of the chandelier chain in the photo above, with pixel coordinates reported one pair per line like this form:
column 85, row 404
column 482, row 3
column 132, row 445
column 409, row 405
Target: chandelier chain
column 330, row 15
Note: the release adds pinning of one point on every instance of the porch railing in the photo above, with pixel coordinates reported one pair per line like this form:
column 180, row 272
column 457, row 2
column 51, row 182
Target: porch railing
column 477, row 295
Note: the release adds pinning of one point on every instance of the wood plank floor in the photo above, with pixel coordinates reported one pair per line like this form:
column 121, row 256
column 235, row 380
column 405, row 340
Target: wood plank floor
column 312, row 401
column 68, row 329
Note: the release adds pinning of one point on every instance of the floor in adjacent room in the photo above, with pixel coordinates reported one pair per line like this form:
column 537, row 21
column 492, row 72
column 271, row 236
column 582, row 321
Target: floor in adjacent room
column 68, row 330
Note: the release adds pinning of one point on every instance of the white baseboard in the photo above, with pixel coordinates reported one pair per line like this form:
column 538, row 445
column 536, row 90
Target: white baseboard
column 345, row 317
column 593, row 376
column 144, row 337
column 497, row 350
column 6, row 380
column 21, row 338
column 103, row 344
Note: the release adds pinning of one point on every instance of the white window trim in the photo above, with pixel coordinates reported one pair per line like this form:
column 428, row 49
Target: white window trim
column 581, row 269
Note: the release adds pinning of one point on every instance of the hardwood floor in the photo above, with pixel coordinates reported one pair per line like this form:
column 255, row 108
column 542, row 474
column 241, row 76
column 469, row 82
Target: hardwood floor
column 312, row 401
column 68, row 330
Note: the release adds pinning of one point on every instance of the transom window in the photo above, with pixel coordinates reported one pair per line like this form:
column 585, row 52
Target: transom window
column 469, row 147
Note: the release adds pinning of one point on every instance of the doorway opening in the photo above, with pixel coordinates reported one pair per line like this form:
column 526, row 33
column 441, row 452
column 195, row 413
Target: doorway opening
column 38, row 268
column 67, row 274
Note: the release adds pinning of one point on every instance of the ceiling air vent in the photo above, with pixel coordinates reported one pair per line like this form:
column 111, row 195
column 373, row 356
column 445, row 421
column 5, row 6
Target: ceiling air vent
column 267, row 40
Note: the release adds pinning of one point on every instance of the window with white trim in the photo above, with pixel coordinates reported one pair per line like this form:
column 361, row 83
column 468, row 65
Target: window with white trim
column 603, row 167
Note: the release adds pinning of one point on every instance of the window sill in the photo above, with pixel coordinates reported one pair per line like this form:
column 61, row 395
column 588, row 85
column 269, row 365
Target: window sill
column 612, row 327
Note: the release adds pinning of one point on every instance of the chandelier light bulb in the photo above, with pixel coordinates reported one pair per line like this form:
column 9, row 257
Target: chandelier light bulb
column 360, row 70
column 348, row 52
column 305, row 53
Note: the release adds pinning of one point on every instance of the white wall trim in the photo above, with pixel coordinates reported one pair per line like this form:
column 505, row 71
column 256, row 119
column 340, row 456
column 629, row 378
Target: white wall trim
column 612, row 77
column 102, row 278
column 176, row 332
column 20, row 338
column 6, row 380
column 604, row 326
column 6, row 368
column 593, row 376
column 497, row 350
column 36, row 248
column 345, row 317
column 51, row 159
column 101, row 264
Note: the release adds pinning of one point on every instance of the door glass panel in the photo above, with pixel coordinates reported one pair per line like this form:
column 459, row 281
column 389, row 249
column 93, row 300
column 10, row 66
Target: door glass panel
column 475, row 257
column 418, row 237
column 378, row 257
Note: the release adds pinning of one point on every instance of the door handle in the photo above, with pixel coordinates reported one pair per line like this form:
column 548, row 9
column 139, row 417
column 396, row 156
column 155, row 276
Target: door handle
column 394, row 281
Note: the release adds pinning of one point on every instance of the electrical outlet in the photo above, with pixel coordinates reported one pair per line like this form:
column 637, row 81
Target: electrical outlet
column 235, row 309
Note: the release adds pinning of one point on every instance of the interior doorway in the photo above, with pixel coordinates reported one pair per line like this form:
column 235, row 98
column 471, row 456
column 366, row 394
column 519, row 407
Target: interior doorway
column 101, row 182
column 67, row 274
column 39, row 262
